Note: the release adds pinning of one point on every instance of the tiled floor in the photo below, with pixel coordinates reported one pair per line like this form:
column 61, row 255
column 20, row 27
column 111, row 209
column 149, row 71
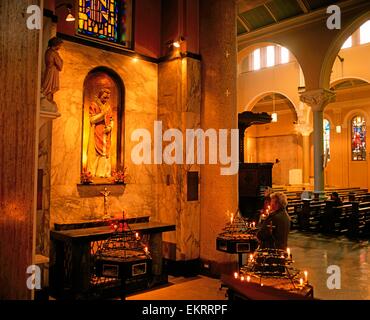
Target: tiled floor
column 316, row 253
column 313, row 253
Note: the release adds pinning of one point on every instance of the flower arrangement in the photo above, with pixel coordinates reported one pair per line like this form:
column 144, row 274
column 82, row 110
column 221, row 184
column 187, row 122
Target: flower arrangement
column 119, row 176
column 86, row 177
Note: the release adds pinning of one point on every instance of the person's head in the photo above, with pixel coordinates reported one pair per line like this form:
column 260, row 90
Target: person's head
column 104, row 95
column 278, row 201
column 267, row 192
column 335, row 196
column 55, row 43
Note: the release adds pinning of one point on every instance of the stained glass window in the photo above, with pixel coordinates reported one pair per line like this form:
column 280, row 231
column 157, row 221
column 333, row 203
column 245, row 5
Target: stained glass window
column 327, row 139
column 108, row 20
column 358, row 138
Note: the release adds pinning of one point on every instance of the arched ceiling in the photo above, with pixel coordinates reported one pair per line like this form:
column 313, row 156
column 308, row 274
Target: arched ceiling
column 256, row 14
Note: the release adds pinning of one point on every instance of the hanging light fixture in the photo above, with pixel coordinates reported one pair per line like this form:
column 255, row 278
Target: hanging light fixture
column 69, row 17
column 274, row 113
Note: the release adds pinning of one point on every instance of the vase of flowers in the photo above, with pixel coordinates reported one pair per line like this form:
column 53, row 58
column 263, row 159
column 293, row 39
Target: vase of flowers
column 119, row 176
column 86, row 177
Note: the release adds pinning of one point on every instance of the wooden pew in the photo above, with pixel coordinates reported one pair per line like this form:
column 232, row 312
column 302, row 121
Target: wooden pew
column 351, row 219
column 310, row 217
column 341, row 216
column 359, row 222
column 294, row 209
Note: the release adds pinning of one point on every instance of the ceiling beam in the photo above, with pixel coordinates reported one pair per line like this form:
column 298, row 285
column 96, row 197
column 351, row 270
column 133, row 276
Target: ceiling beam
column 303, row 6
column 243, row 24
column 246, row 5
column 270, row 12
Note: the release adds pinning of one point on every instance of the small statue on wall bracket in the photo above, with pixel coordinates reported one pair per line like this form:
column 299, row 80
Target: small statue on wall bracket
column 50, row 79
column 106, row 194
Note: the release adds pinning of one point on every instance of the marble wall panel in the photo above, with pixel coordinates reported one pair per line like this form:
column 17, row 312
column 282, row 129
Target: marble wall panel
column 140, row 78
column 179, row 107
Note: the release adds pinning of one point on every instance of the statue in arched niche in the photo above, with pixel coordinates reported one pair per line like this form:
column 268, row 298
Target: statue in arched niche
column 100, row 137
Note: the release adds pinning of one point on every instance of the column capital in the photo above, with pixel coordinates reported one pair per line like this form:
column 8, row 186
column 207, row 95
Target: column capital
column 318, row 99
column 304, row 129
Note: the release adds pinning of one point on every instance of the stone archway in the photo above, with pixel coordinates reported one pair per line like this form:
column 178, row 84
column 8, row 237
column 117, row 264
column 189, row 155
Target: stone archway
column 336, row 45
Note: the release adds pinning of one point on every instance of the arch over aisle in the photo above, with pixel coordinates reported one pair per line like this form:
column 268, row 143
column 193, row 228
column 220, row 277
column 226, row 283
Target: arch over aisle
column 336, row 45
column 252, row 104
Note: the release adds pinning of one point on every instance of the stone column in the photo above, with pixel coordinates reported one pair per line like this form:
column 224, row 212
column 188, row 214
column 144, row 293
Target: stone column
column 219, row 193
column 179, row 99
column 317, row 100
column 305, row 130
column 306, row 158
column 20, row 105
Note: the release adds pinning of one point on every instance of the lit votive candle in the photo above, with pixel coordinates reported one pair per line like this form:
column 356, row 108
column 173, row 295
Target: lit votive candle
column 137, row 235
column 253, row 224
column 248, row 278
column 146, row 249
column 235, row 275
column 242, row 278
column 301, row 282
column 288, row 251
column 306, row 276
column 232, row 218
column 251, row 257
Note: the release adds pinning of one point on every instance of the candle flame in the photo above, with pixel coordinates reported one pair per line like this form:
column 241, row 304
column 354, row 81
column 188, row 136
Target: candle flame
column 248, row 278
column 235, row 275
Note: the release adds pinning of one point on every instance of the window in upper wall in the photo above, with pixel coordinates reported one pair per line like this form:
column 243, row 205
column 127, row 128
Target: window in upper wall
column 358, row 128
column 107, row 20
column 365, row 33
column 257, row 59
column 270, row 56
column 284, row 55
column 326, row 140
column 347, row 43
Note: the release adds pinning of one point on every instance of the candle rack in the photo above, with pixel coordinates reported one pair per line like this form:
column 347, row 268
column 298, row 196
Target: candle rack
column 275, row 266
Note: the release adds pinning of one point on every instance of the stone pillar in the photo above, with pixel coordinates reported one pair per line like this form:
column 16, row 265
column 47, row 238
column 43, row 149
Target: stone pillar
column 306, row 158
column 317, row 100
column 219, row 111
column 305, row 130
column 20, row 66
column 179, row 97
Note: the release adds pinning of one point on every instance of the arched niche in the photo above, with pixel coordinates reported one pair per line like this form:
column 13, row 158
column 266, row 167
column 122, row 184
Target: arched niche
column 96, row 80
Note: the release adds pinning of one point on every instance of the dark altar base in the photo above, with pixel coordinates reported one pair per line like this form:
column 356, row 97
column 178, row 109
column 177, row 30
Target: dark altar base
column 73, row 254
